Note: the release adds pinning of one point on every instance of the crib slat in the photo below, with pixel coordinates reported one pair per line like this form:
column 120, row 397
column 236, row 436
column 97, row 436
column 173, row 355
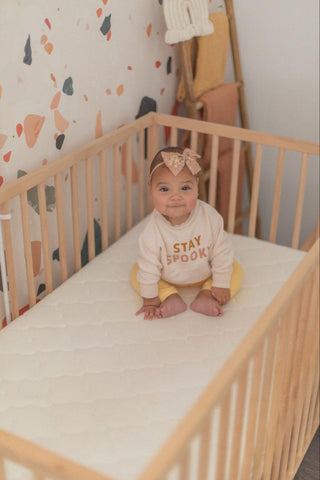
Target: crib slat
column 252, row 416
column 315, row 388
column 301, row 308
column 129, row 182
column 152, row 144
column 280, row 440
column 302, row 186
column 223, row 436
column 75, row 218
column 213, row 171
column 276, row 197
column 141, row 174
column 116, row 191
column 238, row 424
column 38, row 476
column 311, row 354
column 234, row 185
column 194, row 141
column 2, row 469
column 281, row 357
column 10, row 263
column 45, row 237
column 255, row 192
column 264, row 409
column 61, row 232
column 184, row 465
column 152, row 149
column 27, row 247
column 103, row 199
column 204, row 450
column 308, row 326
column 174, row 137
column 90, row 220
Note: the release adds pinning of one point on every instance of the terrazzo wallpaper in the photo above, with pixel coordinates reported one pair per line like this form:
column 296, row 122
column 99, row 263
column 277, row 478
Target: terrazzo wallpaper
column 70, row 72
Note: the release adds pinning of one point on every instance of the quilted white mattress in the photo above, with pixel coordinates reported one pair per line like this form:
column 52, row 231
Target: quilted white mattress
column 83, row 376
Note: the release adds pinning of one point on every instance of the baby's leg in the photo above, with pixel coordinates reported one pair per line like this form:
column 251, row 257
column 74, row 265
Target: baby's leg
column 206, row 304
column 172, row 305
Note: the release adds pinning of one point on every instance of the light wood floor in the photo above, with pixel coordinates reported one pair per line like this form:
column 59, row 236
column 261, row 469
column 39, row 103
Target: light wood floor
column 309, row 468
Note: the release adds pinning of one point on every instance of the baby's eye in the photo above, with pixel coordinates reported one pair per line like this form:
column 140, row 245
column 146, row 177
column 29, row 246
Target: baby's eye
column 186, row 187
column 164, row 189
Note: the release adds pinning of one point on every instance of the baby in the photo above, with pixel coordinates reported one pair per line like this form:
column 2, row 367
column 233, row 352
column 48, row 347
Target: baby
column 183, row 244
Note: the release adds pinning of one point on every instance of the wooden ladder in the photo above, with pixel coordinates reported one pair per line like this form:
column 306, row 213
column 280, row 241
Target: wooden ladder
column 193, row 106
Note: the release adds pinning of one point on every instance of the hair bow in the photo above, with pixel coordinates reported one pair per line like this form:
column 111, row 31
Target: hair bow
column 176, row 161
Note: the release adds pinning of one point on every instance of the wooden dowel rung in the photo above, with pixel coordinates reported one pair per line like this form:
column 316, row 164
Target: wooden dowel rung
column 255, row 192
column 184, row 465
column 103, row 199
column 10, row 263
column 252, row 419
column 116, row 191
column 141, row 174
column 61, row 230
column 234, row 186
column 75, row 218
column 174, row 137
column 213, row 171
column 266, row 395
column 276, row 197
column 90, row 219
column 129, row 161
column 194, row 141
column 299, row 208
column 3, row 475
column 204, row 451
column 45, row 237
column 224, row 421
column 310, row 342
column 27, row 247
column 153, row 141
column 281, row 357
column 237, row 433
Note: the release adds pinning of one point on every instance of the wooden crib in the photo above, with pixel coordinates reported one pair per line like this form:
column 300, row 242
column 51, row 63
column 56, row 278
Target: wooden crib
column 273, row 374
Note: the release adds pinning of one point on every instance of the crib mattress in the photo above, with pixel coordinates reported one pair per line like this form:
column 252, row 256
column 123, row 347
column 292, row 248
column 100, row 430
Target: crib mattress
column 84, row 377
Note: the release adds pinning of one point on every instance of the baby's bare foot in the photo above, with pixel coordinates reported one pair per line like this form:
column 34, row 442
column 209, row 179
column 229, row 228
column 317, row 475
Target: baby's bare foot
column 172, row 305
column 206, row 304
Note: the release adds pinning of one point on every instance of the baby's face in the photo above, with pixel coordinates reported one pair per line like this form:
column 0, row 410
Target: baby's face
column 174, row 196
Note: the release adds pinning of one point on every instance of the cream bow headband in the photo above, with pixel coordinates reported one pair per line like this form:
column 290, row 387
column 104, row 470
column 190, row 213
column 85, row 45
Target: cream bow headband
column 176, row 161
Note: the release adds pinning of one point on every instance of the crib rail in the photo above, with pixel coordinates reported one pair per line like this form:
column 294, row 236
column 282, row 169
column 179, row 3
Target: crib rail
column 112, row 157
column 276, row 374
column 258, row 140
column 41, row 463
column 262, row 377
column 75, row 204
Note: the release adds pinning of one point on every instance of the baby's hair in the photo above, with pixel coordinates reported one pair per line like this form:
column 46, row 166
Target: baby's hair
column 157, row 159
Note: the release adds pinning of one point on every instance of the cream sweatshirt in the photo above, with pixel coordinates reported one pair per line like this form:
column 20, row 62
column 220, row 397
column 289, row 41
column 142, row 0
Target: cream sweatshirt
column 183, row 254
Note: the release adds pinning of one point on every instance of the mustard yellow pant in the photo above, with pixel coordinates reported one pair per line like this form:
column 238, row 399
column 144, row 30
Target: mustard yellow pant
column 166, row 289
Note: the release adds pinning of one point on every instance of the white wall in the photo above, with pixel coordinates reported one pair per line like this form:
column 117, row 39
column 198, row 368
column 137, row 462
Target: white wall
column 279, row 48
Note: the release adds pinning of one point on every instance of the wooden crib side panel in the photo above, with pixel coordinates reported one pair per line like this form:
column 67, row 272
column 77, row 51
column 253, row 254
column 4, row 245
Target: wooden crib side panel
column 41, row 463
column 266, row 147
column 83, row 182
column 266, row 439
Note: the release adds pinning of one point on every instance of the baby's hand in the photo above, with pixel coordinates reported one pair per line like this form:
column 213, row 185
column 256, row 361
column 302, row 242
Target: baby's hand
column 150, row 308
column 222, row 295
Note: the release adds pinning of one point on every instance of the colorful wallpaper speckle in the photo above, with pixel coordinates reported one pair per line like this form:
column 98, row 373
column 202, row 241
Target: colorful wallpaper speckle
column 70, row 72
column 68, row 65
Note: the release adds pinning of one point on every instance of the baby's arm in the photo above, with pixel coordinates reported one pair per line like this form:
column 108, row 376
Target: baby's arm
column 222, row 295
column 150, row 308
column 221, row 265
